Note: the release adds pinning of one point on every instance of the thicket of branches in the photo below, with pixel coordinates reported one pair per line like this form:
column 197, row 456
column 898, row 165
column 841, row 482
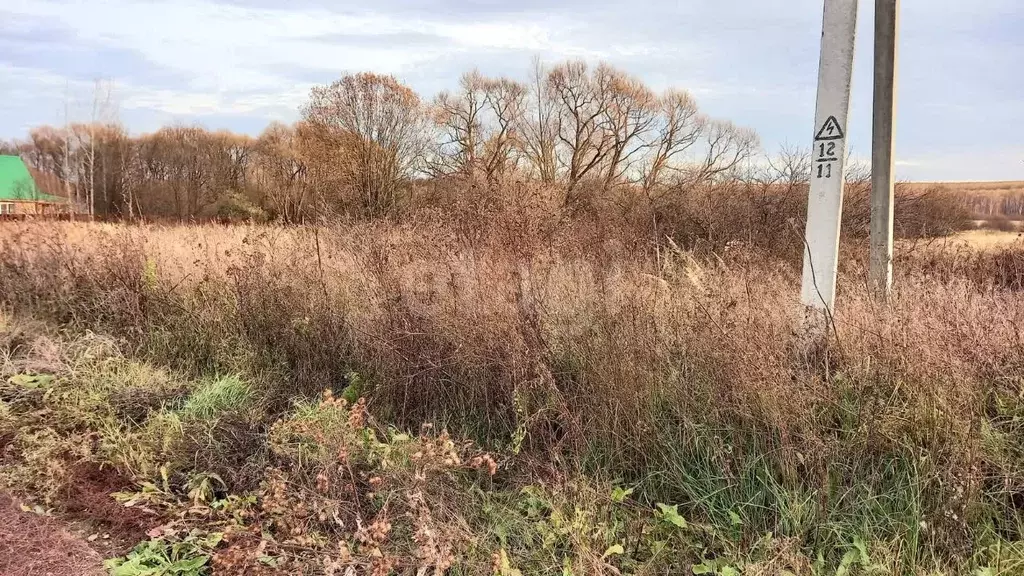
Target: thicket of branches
column 582, row 139
column 363, row 140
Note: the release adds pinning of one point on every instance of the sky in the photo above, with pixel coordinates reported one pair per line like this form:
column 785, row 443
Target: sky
column 240, row 64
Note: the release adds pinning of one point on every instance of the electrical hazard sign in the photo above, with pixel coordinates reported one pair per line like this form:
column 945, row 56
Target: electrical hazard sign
column 831, row 130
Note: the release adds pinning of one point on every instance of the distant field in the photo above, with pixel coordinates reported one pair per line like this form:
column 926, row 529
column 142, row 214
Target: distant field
column 988, row 201
column 983, row 241
column 986, row 239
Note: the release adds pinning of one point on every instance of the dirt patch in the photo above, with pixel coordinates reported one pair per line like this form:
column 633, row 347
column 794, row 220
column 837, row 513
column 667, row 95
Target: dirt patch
column 40, row 546
column 88, row 501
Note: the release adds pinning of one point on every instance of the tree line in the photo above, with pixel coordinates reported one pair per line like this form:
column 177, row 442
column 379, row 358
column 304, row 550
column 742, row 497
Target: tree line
column 365, row 141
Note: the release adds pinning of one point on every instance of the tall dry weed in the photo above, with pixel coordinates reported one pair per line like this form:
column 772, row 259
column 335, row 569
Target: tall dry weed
column 677, row 370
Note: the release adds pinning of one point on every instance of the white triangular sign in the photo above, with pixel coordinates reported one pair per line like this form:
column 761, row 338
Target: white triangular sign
column 830, row 131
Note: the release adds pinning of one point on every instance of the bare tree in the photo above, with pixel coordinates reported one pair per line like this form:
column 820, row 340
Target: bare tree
column 537, row 128
column 460, row 119
column 725, row 147
column 677, row 127
column 237, row 153
column 45, row 149
column 378, row 124
column 476, row 126
column 282, row 170
column 629, row 114
column 66, row 172
column 777, row 186
column 791, row 167
column 506, row 99
column 364, row 137
column 582, row 122
column 102, row 106
column 187, row 171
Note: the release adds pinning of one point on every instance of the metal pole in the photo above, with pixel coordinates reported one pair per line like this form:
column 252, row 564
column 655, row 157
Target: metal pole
column 825, row 201
column 882, row 158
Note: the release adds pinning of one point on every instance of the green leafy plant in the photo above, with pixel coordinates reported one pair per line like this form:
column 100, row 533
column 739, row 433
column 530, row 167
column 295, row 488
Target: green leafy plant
column 203, row 487
column 857, row 556
column 670, row 515
column 354, row 390
column 613, row 550
column 188, row 556
column 620, row 494
column 32, row 381
column 734, row 519
column 719, row 567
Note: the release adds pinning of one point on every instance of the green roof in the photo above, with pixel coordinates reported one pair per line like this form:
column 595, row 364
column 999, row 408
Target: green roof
column 17, row 184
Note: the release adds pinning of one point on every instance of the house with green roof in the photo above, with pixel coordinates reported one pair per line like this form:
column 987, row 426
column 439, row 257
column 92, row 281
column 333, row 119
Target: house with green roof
column 20, row 194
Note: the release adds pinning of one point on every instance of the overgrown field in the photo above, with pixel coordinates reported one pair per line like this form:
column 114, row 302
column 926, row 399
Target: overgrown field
column 992, row 201
column 425, row 399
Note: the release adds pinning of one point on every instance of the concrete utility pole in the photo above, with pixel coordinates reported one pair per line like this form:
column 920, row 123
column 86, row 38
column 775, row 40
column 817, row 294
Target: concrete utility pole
column 882, row 158
column 828, row 171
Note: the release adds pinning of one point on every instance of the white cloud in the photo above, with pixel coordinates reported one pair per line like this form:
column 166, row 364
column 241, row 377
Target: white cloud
column 228, row 47
column 237, row 59
column 28, row 85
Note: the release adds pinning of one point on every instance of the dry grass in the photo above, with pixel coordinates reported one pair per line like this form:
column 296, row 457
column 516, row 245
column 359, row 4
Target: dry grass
column 983, row 240
column 678, row 373
column 413, row 295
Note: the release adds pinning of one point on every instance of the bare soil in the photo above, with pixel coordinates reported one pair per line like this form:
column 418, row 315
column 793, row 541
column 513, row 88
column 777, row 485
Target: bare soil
column 34, row 545
column 91, row 526
column 88, row 503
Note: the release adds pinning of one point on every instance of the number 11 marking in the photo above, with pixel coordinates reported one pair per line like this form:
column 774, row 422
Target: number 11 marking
column 825, row 170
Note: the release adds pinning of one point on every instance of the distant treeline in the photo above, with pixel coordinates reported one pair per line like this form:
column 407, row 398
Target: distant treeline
column 572, row 141
column 1009, row 204
column 985, row 200
column 364, row 140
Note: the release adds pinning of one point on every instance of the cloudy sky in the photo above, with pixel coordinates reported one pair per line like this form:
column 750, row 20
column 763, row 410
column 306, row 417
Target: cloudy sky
column 239, row 64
